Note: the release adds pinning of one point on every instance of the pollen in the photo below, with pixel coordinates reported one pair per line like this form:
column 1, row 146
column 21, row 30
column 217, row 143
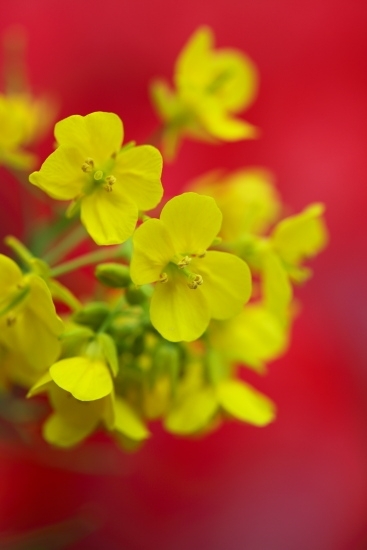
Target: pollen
column 88, row 165
column 163, row 278
column 184, row 262
column 195, row 281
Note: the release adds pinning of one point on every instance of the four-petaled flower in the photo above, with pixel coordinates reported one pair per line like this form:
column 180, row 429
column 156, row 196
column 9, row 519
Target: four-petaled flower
column 210, row 87
column 111, row 185
column 193, row 285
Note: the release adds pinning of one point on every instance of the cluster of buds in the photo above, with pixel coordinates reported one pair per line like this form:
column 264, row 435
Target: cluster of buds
column 182, row 301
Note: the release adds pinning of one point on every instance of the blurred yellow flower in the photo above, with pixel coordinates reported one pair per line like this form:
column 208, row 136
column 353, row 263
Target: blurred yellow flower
column 193, row 285
column 109, row 184
column 29, row 325
column 196, row 411
column 23, row 119
column 73, row 420
column 210, row 87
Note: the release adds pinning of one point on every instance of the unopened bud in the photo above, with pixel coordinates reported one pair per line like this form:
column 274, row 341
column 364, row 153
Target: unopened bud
column 113, row 275
column 92, row 315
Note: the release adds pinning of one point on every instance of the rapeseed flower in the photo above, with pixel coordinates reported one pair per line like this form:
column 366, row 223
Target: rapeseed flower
column 19, row 116
column 193, row 285
column 29, row 325
column 197, row 411
column 110, row 185
column 73, row 420
column 210, row 87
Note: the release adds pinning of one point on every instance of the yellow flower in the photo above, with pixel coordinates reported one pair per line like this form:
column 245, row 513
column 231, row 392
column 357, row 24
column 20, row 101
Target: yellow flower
column 254, row 337
column 299, row 237
column 16, row 121
column 73, row 420
column 109, row 184
column 197, row 411
column 29, row 325
column 247, row 199
column 88, row 376
column 211, row 86
column 193, row 285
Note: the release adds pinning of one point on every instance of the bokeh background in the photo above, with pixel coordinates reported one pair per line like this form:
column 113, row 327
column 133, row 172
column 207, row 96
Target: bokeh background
column 301, row 483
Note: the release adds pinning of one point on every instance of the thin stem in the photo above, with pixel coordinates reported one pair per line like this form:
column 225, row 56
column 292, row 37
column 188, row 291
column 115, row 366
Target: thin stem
column 66, row 245
column 89, row 259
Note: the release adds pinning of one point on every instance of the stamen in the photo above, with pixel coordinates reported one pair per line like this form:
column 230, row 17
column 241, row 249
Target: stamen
column 163, row 278
column 88, row 165
column 195, row 281
column 184, row 262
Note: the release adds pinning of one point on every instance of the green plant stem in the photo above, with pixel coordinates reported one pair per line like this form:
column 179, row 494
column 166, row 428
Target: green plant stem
column 89, row 259
column 66, row 245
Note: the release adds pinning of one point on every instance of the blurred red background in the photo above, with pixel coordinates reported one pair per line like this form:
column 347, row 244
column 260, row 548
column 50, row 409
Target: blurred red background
column 300, row 484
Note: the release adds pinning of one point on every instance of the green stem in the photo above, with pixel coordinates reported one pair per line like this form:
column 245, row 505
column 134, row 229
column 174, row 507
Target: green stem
column 89, row 259
column 21, row 251
column 66, row 245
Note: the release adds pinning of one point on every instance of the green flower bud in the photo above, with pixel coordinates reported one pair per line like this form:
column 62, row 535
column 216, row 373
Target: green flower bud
column 136, row 296
column 92, row 314
column 113, row 275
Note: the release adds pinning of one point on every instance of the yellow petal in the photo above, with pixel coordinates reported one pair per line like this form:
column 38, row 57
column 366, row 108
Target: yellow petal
column 128, row 422
column 178, row 312
column 193, row 222
column 302, row 236
column 31, row 337
column 153, row 250
column 276, row 288
column 61, row 175
column 97, row 135
column 84, row 378
column 109, row 218
column 192, row 414
column 191, row 61
column 139, row 170
column 252, row 337
column 226, row 283
column 58, row 431
column 219, row 124
column 237, row 79
column 40, row 302
column 41, row 385
column 245, row 403
column 10, row 274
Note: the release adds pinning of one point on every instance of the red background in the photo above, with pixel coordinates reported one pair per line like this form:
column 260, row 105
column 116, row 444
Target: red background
column 300, row 484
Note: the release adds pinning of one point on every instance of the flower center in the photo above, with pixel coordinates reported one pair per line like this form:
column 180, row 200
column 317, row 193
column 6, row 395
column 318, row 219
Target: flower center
column 178, row 266
column 99, row 176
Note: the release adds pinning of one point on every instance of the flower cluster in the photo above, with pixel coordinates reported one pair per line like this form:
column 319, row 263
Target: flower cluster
column 182, row 299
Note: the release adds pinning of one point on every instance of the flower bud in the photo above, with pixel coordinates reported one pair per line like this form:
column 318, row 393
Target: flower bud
column 113, row 275
column 92, row 314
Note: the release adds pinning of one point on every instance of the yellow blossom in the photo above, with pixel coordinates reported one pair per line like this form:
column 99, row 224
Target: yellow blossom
column 18, row 119
column 253, row 337
column 109, row 184
column 196, row 412
column 299, row 237
column 88, row 376
column 193, row 285
column 211, row 86
column 73, row 420
column 247, row 198
column 29, row 325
